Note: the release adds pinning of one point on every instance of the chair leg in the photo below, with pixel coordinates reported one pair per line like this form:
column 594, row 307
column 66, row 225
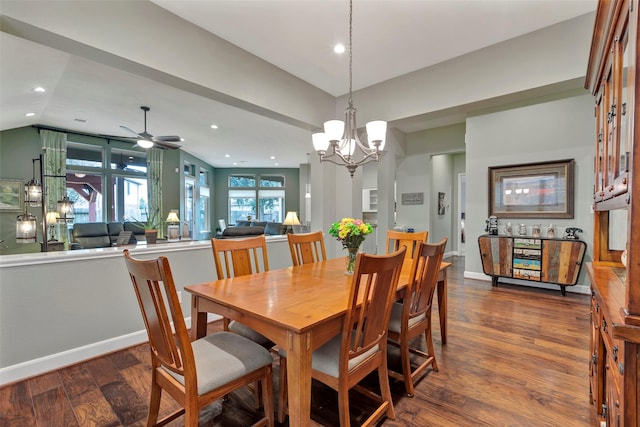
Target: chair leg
column 430, row 348
column 385, row 389
column 343, row 405
column 191, row 412
column 406, row 366
column 282, row 389
column 154, row 402
column 266, row 385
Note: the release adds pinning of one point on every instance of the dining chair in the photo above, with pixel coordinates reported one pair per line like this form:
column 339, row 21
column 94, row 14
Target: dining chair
column 307, row 247
column 193, row 373
column 361, row 347
column 239, row 257
column 412, row 317
column 397, row 239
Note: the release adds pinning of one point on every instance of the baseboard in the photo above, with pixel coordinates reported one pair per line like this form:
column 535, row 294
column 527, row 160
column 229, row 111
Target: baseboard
column 52, row 362
column 576, row 289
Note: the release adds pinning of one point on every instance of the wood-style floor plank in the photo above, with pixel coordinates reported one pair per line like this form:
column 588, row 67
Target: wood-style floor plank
column 516, row 356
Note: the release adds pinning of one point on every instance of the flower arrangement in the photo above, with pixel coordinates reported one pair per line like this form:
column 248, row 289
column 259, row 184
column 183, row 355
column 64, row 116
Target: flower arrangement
column 350, row 232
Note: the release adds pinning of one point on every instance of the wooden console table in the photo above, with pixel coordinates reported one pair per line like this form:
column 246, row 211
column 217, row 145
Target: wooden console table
column 556, row 261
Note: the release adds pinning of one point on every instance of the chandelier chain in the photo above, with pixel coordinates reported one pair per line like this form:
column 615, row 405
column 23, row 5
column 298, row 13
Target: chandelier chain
column 350, row 52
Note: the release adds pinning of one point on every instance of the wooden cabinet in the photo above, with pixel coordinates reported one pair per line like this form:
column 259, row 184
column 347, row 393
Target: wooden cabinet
column 612, row 78
column 537, row 259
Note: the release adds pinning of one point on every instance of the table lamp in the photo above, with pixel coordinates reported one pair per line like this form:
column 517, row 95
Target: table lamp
column 52, row 220
column 173, row 227
column 290, row 220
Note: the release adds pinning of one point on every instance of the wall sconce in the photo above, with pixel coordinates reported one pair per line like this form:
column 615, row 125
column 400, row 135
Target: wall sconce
column 26, row 228
column 173, row 227
column 290, row 220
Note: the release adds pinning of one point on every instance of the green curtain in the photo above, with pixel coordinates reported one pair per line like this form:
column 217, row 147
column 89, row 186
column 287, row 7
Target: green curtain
column 54, row 145
column 154, row 185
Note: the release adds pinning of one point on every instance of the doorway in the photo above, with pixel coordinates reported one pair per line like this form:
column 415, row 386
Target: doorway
column 461, row 214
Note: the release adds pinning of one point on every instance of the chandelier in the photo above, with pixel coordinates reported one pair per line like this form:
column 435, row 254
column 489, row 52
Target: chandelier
column 339, row 141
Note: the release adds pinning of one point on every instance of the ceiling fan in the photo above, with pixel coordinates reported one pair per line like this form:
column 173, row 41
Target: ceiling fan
column 146, row 140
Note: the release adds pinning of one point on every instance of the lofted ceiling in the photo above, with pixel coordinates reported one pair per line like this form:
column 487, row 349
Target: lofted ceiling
column 390, row 38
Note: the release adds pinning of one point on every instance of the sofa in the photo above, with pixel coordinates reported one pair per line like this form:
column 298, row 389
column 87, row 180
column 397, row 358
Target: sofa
column 93, row 235
column 251, row 228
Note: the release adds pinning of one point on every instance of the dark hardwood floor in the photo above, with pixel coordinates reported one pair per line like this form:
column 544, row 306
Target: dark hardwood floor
column 516, row 356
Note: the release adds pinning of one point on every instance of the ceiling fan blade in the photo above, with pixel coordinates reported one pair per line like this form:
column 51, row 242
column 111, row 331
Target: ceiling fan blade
column 167, row 145
column 167, row 138
column 129, row 130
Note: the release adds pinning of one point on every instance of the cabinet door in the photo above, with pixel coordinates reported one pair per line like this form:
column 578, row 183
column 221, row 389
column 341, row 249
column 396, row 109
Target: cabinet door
column 596, row 363
column 497, row 255
column 562, row 260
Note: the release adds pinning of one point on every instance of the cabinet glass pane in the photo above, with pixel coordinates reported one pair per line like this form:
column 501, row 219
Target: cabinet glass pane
column 624, row 117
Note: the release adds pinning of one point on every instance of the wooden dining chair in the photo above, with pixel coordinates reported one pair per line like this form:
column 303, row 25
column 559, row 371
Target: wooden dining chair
column 412, row 317
column 193, row 373
column 361, row 347
column 307, row 247
column 239, row 257
column 398, row 239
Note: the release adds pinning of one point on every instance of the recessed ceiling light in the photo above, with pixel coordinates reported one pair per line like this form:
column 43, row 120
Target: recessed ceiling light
column 338, row 48
column 227, row 155
column 214, row 126
column 277, row 164
column 30, row 114
column 272, row 157
column 235, row 164
column 39, row 89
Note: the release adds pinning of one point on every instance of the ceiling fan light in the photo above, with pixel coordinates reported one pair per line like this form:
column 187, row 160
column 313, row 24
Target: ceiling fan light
column 145, row 143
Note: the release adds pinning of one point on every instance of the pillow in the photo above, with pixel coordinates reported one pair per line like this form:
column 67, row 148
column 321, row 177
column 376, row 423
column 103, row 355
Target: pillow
column 242, row 231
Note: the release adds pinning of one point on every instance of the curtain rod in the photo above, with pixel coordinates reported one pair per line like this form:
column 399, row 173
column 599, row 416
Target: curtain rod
column 107, row 137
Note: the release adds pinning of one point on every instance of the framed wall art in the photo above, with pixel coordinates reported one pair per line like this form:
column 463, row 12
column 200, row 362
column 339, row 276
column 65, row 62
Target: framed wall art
column 11, row 195
column 532, row 190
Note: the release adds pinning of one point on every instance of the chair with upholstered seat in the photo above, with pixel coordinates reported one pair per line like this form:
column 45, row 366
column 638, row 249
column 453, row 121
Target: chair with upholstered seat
column 193, row 373
column 238, row 257
column 398, row 239
column 412, row 317
column 307, row 247
column 361, row 347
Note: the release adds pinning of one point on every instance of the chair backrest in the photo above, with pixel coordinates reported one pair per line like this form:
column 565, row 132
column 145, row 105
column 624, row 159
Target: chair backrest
column 423, row 279
column 237, row 257
column 373, row 288
column 398, row 239
column 159, row 305
column 307, row 248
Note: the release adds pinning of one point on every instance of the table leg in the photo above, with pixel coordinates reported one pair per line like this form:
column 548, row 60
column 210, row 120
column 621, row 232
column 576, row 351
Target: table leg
column 442, row 304
column 299, row 379
column 198, row 320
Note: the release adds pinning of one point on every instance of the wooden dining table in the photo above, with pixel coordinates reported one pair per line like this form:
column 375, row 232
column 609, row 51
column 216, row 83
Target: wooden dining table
column 298, row 308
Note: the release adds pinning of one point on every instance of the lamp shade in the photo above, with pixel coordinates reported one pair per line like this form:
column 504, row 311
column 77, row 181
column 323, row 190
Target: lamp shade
column 26, row 228
column 377, row 131
column 320, row 141
column 334, row 129
column 173, row 217
column 65, row 210
column 34, row 193
column 52, row 217
column 291, row 219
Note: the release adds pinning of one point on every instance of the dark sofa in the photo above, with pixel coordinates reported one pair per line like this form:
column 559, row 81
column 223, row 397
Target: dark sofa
column 92, row 235
column 251, row 228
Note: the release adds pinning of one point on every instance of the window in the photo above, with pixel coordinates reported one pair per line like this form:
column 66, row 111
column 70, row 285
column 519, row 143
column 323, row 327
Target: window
column 106, row 184
column 204, row 216
column 242, row 202
column 204, row 177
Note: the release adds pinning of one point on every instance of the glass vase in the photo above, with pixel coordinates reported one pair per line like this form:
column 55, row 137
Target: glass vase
column 350, row 261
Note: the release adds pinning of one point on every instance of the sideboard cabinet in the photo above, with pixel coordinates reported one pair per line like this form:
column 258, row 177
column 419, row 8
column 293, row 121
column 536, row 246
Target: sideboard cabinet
column 612, row 77
column 532, row 258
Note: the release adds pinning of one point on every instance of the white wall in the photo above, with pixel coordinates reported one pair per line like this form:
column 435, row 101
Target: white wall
column 554, row 130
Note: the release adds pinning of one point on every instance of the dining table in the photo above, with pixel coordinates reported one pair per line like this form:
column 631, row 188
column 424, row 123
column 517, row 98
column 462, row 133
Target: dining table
column 298, row 308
